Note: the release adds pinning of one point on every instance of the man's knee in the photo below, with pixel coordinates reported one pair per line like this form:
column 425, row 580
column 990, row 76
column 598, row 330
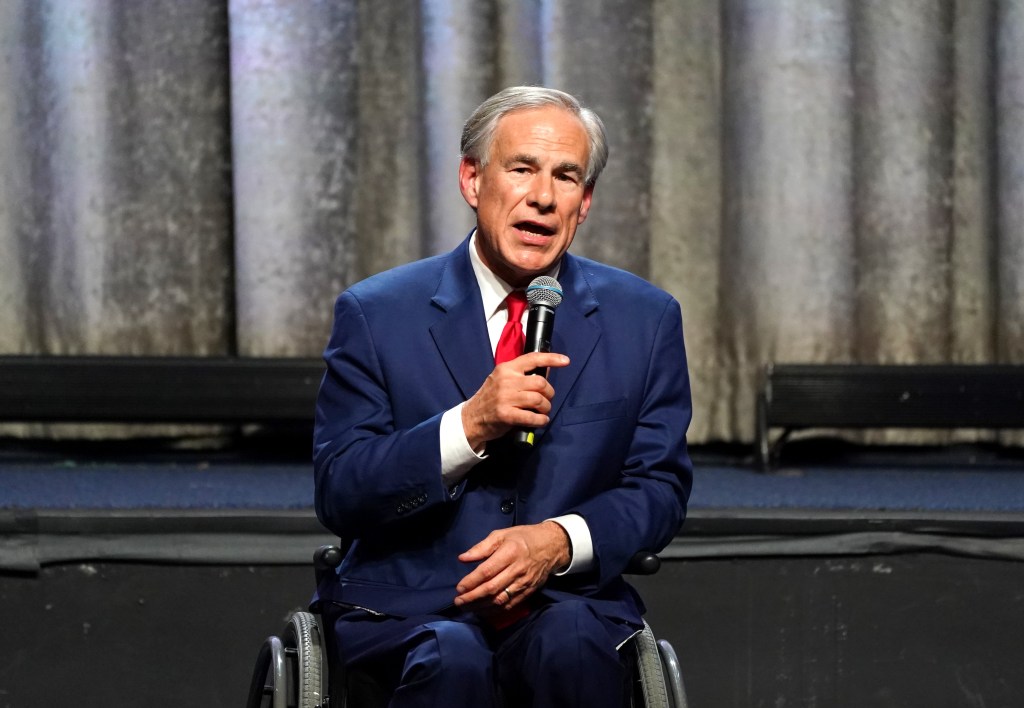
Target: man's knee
column 564, row 657
column 570, row 640
column 450, row 647
column 447, row 663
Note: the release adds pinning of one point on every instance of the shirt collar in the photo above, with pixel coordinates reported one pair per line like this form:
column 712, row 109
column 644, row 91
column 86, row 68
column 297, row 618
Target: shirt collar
column 494, row 290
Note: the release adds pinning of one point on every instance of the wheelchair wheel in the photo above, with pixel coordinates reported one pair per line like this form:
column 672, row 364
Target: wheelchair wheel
column 651, row 689
column 307, row 675
column 658, row 680
column 291, row 670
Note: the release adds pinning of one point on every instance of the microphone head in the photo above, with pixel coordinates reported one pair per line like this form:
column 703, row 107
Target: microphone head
column 543, row 290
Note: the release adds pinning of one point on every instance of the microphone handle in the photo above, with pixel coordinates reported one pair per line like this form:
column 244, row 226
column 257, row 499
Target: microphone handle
column 539, row 324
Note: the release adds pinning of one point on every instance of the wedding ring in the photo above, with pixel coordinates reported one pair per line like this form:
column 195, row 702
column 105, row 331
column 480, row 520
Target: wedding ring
column 509, row 593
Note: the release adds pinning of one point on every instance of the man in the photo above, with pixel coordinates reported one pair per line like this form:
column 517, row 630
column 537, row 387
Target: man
column 479, row 574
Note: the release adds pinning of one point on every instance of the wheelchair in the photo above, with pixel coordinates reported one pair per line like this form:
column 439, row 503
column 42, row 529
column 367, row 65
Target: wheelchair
column 293, row 670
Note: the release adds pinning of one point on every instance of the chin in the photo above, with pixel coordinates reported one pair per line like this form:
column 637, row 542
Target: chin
column 531, row 268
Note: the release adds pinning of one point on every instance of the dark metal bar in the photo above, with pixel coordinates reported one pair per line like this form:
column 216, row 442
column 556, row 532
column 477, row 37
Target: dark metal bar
column 795, row 396
column 158, row 389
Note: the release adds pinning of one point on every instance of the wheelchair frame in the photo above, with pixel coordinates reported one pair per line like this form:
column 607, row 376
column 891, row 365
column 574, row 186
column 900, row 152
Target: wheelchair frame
column 292, row 671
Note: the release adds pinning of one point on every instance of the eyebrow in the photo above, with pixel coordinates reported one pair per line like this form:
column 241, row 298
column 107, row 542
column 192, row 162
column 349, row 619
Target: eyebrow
column 526, row 159
column 564, row 167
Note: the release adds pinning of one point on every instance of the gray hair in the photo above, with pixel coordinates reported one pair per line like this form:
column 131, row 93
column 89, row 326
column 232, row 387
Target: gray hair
column 478, row 132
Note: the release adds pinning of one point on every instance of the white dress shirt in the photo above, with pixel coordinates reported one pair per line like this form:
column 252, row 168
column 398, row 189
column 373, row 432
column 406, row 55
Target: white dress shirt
column 458, row 458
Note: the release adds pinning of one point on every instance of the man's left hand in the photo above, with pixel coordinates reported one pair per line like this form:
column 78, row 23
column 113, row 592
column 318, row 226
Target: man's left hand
column 517, row 559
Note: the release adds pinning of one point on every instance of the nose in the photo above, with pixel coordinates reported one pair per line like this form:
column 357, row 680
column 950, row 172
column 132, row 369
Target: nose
column 542, row 192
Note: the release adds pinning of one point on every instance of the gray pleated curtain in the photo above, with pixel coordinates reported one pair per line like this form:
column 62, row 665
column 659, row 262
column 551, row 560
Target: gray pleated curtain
column 815, row 180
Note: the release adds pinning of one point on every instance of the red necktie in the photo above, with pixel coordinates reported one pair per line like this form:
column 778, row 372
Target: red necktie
column 512, row 340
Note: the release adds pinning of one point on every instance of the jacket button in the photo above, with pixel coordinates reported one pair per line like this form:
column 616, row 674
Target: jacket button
column 507, row 505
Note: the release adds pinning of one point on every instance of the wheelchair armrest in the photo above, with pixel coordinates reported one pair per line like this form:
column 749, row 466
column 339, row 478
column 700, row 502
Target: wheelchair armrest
column 326, row 559
column 643, row 563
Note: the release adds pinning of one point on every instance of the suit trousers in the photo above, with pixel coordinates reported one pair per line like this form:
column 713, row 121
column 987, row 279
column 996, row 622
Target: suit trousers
column 561, row 655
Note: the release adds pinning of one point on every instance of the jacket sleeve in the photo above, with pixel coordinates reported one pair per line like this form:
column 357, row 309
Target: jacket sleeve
column 368, row 474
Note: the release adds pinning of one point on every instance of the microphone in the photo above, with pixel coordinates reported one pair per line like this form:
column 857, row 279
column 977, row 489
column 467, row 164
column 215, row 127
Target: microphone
column 544, row 294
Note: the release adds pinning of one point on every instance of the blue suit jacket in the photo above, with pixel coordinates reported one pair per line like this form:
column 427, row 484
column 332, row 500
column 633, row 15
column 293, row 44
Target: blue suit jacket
column 410, row 343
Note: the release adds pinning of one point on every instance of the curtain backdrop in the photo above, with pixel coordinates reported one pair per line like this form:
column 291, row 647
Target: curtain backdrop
column 814, row 180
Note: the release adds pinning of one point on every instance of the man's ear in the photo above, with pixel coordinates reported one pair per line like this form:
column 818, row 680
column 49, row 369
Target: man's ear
column 469, row 180
column 588, row 195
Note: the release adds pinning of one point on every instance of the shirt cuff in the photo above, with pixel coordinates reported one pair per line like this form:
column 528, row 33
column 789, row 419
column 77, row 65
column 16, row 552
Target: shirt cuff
column 582, row 551
column 457, row 457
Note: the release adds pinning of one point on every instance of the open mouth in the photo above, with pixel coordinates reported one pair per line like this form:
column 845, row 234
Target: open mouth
column 535, row 228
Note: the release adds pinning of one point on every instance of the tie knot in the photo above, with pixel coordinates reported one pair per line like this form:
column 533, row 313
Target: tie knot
column 516, row 304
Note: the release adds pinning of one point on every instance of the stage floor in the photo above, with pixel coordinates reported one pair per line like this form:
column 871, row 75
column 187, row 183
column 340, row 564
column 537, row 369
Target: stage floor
column 131, row 504
column 877, row 580
column 111, row 479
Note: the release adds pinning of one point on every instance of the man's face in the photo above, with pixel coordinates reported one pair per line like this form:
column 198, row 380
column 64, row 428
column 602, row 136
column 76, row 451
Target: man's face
column 530, row 197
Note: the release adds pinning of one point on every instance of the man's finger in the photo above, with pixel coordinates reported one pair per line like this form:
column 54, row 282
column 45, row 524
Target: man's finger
column 495, row 564
column 540, row 360
column 481, row 550
column 488, row 589
column 475, row 585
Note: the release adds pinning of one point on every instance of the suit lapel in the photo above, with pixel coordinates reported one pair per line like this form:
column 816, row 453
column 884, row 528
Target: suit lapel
column 461, row 334
column 574, row 334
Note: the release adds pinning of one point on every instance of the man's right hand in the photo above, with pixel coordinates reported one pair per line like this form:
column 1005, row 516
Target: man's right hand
column 510, row 398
